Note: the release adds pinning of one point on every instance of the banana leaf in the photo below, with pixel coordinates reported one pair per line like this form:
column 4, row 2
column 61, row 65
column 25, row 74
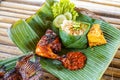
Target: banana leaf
column 25, row 36
column 38, row 27
column 27, row 41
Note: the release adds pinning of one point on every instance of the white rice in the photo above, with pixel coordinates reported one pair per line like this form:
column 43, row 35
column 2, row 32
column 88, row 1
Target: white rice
column 67, row 26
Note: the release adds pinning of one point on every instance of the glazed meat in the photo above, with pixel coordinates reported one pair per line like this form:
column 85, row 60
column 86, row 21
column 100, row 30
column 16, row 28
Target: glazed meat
column 48, row 45
column 73, row 60
column 12, row 75
column 25, row 70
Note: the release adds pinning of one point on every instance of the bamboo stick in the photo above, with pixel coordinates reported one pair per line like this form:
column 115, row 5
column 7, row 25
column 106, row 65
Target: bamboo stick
column 10, row 49
column 7, row 19
column 15, row 15
column 3, row 32
column 5, row 25
column 104, row 2
column 17, row 10
column 117, row 54
column 115, row 72
column 115, row 63
column 111, row 20
column 6, row 41
column 19, row 6
column 98, row 8
column 4, row 56
column 31, row 2
column 105, row 77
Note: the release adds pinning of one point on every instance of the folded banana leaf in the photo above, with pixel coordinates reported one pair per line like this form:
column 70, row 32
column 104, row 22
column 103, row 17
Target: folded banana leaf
column 27, row 41
column 26, row 34
column 71, row 41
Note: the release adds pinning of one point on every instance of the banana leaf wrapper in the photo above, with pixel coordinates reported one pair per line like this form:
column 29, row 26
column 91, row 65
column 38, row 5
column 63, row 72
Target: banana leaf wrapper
column 71, row 41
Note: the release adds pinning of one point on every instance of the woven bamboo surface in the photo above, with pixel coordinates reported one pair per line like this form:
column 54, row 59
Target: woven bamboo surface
column 12, row 10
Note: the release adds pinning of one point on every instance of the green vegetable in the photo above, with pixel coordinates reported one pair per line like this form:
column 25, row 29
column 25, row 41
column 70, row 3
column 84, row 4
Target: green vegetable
column 68, row 15
column 64, row 6
column 59, row 20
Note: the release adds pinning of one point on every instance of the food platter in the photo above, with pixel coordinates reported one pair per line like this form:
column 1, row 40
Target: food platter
column 103, row 58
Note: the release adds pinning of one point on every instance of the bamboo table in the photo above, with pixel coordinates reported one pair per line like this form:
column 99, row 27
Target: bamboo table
column 12, row 10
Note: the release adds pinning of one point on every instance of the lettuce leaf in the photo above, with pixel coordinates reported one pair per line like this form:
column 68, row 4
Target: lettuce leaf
column 64, row 6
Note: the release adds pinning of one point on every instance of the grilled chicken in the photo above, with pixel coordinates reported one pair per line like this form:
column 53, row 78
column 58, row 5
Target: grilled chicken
column 12, row 75
column 25, row 70
column 48, row 45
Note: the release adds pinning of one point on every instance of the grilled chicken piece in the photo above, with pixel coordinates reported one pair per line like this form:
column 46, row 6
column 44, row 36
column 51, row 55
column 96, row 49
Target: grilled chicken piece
column 95, row 36
column 48, row 45
column 73, row 60
column 12, row 75
column 25, row 70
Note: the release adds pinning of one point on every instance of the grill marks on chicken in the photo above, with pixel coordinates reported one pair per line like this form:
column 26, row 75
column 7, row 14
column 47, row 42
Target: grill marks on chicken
column 47, row 38
column 48, row 45
column 12, row 75
column 25, row 70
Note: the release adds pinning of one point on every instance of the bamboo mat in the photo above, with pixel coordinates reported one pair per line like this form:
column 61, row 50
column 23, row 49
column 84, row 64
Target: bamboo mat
column 12, row 10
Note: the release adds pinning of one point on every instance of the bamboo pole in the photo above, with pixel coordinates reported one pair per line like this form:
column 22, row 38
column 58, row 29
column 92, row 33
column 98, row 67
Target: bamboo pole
column 6, row 19
column 19, row 6
column 10, row 49
column 115, row 72
column 99, row 8
column 6, row 41
column 30, row 2
column 15, row 15
column 3, row 32
column 104, row 2
column 106, row 77
column 5, row 25
column 115, row 63
column 117, row 54
column 17, row 10
column 4, row 56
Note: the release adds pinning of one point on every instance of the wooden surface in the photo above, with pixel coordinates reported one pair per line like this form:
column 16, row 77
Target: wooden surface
column 12, row 10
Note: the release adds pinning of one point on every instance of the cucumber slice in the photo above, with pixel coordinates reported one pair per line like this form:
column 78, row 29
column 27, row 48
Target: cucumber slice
column 59, row 20
column 68, row 15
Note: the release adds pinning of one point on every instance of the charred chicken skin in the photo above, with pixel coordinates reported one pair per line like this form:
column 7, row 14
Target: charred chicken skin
column 48, row 45
column 25, row 70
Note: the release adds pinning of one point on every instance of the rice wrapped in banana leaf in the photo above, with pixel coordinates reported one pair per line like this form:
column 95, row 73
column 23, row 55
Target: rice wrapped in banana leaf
column 73, row 34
